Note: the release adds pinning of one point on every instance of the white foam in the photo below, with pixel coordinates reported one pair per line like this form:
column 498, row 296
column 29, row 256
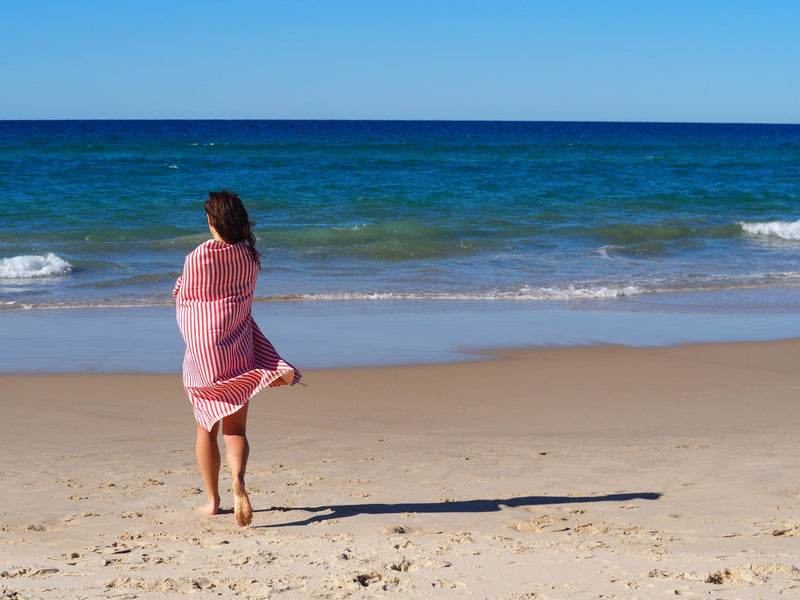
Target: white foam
column 782, row 229
column 524, row 293
column 579, row 293
column 30, row 266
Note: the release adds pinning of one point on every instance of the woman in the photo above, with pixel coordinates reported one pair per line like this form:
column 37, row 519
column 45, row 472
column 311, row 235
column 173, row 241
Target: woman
column 227, row 358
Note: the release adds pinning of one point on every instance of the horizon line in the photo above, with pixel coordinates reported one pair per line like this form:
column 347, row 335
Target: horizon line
column 396, row 120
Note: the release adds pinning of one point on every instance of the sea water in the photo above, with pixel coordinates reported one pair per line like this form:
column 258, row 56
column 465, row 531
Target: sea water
column 647, row 217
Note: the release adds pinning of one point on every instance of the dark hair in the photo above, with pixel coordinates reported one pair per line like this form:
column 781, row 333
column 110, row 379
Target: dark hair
column 229, row 217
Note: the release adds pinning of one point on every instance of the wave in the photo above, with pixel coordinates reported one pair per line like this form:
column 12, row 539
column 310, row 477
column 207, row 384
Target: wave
column 625, row 234
column 392, row 240
column 143, row 303
column 30, row 266
column 535, row 295
column 525, row 294
column 571, row 292
column 786, row 230
column 633, row 234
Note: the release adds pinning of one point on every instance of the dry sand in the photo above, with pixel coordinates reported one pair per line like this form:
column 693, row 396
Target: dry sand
column 605, row 472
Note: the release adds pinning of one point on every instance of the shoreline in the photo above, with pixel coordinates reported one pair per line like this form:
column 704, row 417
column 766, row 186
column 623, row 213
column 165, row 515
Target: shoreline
column 555, row 473
column 315, row 335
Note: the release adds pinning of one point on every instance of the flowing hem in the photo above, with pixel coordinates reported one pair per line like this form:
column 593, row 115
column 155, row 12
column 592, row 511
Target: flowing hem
column 215, row 402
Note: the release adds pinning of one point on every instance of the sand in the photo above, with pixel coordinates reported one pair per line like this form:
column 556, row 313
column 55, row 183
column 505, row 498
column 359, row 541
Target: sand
column 575, row 473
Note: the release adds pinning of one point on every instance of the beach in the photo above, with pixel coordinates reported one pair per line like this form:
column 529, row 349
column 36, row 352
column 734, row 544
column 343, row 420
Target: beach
column 607, row 471
column 541, row 360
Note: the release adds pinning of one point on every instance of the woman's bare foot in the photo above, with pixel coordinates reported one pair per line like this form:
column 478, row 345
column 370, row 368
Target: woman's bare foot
column 241, row 505
column 209, row 508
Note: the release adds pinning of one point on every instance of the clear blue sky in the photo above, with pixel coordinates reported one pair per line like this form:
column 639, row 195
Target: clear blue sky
column 644, row 60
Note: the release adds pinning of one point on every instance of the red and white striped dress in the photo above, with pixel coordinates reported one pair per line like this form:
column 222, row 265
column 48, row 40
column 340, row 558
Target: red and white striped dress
column 227, row 359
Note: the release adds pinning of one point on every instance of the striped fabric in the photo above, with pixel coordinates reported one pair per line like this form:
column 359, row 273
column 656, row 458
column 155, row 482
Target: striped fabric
column 227, row 359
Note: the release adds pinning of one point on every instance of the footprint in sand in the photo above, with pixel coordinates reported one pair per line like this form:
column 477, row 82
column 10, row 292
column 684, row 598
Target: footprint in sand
column 752, row 574
column 405, row 530
column 548, row 523
column 70, row 483
column 35, row 527
column 32, row 571
column 787, row 530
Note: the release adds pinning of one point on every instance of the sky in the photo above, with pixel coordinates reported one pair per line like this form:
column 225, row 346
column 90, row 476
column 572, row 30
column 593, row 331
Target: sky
column 532, row 60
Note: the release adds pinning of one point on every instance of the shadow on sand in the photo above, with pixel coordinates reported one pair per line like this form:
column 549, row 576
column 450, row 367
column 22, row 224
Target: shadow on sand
column 457, row 506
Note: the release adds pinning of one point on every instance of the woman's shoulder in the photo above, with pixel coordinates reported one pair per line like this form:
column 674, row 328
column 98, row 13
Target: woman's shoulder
column 202, row 252
column 221, row 250
column 209, row 245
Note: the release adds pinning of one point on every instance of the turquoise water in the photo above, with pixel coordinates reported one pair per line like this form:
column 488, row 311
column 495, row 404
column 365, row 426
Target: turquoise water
column 627, row 216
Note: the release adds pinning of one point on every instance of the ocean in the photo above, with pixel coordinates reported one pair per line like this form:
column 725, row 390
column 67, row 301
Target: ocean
column 632, row 217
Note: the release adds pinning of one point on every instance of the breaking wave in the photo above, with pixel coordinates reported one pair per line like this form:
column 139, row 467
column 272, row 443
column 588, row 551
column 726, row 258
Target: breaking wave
column 524, row 293
column 780, row 229
column 29, row 266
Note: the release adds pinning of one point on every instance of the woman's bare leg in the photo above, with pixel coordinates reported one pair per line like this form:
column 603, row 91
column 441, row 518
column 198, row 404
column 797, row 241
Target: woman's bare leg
column 208, row 458
column 237, row 450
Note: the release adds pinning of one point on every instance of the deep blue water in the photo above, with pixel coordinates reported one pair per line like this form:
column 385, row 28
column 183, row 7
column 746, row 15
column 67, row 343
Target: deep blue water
column 694, row 216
